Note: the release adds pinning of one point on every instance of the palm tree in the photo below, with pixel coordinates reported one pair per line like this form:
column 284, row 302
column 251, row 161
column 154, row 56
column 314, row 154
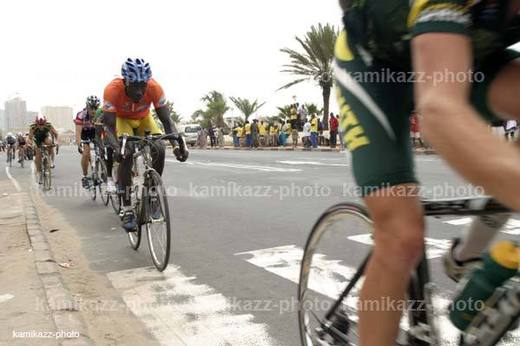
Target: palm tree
column 246, row 107
column 315, row 62
column 216, row 107
column 313, row 108
column 284, row 112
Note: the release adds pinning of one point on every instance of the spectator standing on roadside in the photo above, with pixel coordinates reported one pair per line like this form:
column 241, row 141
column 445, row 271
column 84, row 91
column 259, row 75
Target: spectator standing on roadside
column 220, row 139
column 247, row 129
column 314, row 130
column 202, row 138
column 241, row 136
column 302, row 112
column 263, row 134
column 273, row 131
column 333, row 127
column 306, row 134
column 294, row 131
column 212, row 138
column 254, row 132
column 234, row 134
column 284, row 133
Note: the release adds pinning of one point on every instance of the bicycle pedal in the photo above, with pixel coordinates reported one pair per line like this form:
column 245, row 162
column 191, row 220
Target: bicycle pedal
column 160, row 220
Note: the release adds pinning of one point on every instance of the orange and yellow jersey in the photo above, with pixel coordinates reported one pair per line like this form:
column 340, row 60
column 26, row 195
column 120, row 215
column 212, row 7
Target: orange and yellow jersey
column 116, row 101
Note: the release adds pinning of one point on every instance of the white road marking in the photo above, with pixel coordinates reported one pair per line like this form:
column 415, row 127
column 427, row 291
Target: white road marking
column 313, row 163
column 435, row 248
column 240, row 166
column 178, row 311
column 331, row 279
column 5, row 297
column 13, row 180
column 285, row 261
column 511, row 227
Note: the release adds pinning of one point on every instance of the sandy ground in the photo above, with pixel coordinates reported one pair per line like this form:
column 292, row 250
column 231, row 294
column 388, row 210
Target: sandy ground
column 108, row 319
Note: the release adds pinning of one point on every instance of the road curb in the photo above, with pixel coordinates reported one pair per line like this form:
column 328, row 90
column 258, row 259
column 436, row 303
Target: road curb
column 322, row 150
column 59, row 303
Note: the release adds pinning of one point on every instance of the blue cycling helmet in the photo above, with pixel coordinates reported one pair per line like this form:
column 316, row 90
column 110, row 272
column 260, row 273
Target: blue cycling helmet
column 136, row 71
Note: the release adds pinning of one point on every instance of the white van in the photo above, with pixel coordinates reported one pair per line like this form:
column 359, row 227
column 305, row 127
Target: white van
column 189, row 131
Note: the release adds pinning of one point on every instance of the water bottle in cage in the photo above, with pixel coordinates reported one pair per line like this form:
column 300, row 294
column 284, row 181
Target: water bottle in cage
column 501, row 314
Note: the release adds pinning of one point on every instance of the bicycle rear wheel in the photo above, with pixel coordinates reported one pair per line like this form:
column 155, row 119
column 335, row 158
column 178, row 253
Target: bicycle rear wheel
column 158, row 226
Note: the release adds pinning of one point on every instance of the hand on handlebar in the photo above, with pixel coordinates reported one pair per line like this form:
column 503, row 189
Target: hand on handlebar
column 180, row 151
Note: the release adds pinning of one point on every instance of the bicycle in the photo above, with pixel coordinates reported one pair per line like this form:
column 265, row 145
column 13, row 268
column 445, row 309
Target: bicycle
column 149, row 196
column 10, row 154
column 45, row 167
column 338, row 326
column 21, row 155
column 98, row 173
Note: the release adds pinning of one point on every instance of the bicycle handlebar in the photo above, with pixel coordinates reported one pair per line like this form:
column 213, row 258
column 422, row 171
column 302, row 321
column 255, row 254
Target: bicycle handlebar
column 148, row 138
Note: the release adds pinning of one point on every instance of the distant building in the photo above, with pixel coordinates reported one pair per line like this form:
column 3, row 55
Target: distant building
column 29, row 118
column 59, row 116
column 2, row 125
column 14, row 117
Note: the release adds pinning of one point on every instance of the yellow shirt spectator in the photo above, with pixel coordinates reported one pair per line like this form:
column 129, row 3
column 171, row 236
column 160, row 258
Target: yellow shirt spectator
column 274, row 130
column 314, row 125
column 287, row 128
column 261, row 129
column 239, row 132
column 294, row 114
column 247, row 128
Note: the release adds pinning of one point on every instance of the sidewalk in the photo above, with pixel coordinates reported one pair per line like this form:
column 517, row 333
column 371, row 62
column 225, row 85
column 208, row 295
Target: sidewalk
column 35, row 305
column 290, row 148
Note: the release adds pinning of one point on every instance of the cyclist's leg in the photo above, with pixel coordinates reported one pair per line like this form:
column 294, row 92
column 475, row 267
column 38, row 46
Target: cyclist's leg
column 85, row 157
column 125, row 167
column 37, row 155
column 375, row 126
column 109, row 160
column 496, row 96
column 158, row 150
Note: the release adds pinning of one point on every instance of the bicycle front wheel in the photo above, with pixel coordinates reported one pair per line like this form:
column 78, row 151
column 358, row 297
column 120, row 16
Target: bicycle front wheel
column 46, row 171
column 102, row 177
column 331, row 276
column 158, row 227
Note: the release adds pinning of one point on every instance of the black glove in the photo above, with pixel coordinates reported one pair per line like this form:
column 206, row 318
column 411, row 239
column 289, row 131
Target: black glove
column 80, row 149
column 180, row 151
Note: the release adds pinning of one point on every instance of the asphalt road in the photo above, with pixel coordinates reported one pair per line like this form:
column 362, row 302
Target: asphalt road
column 240, row 220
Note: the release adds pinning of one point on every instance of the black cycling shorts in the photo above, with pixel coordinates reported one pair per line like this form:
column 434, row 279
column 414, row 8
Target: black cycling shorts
column 88, row 133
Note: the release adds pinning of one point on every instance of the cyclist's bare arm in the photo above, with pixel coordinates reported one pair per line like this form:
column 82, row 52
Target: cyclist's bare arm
column 78, row 133
column 163, row 113
column 31, row 136
column 109, row 121
column 54, row 134
column 453, row 126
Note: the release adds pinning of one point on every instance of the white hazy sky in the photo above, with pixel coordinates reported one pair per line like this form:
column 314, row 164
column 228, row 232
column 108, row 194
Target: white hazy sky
column 57, row 52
